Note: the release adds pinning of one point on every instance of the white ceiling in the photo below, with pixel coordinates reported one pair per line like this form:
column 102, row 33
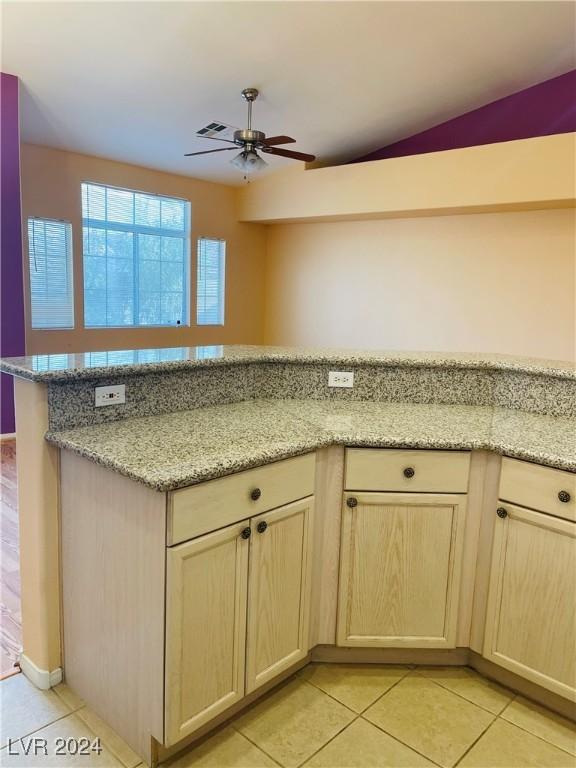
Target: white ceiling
column 133, row 81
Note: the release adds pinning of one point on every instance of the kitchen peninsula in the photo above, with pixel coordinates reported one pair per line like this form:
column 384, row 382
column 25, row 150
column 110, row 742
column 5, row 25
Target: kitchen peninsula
column 237, row 517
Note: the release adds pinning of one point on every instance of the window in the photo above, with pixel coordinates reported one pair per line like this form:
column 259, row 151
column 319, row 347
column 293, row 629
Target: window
column 50, row 261
column 50, row 362
column 130, row 357
column 211, row 265
column 136, row 254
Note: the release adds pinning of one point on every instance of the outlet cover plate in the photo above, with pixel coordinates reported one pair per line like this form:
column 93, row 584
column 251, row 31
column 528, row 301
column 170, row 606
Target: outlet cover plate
column 341, row 378
column 113, row 395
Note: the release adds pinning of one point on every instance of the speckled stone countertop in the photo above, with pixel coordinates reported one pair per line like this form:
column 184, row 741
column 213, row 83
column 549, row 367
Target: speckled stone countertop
column 94, row 365
column 174, row 450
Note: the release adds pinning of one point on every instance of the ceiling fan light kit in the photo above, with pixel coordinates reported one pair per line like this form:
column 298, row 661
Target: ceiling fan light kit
column 250, row 141
column 248, row 161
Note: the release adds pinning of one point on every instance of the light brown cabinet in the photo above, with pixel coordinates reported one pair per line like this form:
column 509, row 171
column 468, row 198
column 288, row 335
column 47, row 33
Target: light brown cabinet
column 531, row 615
column 400, row 566
column 278, row 591
column 236, row 613
column 163, row 640
column 205, row 628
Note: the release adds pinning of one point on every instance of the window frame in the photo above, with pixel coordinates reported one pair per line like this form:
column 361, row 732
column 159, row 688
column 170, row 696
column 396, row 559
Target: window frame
column 69, row 238
column 140, row 229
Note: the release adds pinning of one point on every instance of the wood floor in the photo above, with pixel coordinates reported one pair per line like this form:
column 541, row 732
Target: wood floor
column 10, row 617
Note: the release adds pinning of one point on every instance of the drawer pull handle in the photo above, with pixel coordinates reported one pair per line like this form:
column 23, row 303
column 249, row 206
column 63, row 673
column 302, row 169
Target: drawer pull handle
column 352, row 502
column 564, row 497
column 261, row 527
column 501, row 512
column 255, row 494
column 409, row 472
column 246, row 533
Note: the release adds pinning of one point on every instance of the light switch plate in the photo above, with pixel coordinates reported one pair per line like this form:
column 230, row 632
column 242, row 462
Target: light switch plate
column 341, row 378
column 113, row 395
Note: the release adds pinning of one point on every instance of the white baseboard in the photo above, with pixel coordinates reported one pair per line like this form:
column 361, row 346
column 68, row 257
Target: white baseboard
column 5, row 436
column 41, row 678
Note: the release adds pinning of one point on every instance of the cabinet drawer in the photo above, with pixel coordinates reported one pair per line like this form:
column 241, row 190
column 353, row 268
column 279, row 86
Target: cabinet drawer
column 216, row 503
column 421, row 471
column 542, row 488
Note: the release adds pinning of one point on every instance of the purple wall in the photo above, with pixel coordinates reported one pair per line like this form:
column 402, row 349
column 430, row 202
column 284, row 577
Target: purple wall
column 543, row 109
column 12, row 330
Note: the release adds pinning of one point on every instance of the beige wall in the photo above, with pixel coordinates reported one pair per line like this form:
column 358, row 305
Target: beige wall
column 493, row 282
column 499, row 282
column 527, row 174
column 51, row 188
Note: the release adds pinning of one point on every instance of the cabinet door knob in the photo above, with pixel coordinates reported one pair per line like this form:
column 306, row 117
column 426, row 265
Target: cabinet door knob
column 246, row 533
column 261, row 527
column 501, row 512
column 352, row 502
column 255, row 494
column 409, row 472
column 564, row 496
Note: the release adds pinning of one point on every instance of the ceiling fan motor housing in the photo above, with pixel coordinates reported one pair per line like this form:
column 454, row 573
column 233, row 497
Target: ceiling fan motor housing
column 249, row 136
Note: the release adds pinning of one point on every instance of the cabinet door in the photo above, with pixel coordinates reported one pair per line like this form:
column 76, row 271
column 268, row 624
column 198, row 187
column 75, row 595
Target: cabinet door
column 278, row 591
column 531, row 616
column 400, row 569
column 205, row 628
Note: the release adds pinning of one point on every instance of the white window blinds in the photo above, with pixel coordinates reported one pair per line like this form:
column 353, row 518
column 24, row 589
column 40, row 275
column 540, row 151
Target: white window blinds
column 50, row 262
column 136, row 255
column 211, row 268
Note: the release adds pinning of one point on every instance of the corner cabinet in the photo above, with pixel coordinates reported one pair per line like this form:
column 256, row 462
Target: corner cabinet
column 531, row 614
column 180, row 608
column 237, row 599
column 401, row 553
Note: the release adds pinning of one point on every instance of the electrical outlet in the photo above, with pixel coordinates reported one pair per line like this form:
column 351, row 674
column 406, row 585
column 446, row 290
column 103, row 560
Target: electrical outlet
column 114, row 395
column 341, row 378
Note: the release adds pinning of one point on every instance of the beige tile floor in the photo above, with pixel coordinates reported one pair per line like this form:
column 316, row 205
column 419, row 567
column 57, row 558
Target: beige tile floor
column 326, row 716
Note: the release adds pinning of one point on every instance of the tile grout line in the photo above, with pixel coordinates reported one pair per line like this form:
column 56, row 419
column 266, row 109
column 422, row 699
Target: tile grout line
column 332, row 697
column 309, row 756
column 409, row 745
column 450, row 690
column 306, row 682
column 399, row 740
column 541, row 738
column 360, row 716
column 106, row 743
column 46, row 725
column 85, row 725
column 463, row 755
column 386, row 693
column 231, row 724
column 331, row 739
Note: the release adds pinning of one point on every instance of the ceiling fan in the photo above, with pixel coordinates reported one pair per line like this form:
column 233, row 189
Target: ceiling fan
column 249, row 140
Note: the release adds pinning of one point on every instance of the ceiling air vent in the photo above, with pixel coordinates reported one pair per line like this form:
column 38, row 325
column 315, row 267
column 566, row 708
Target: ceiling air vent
column 217, row 131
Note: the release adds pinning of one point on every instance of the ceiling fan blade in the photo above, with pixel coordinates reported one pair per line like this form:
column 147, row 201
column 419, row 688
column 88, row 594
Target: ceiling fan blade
column 209, row 151
column 289, row 153
column 272, row 141
column 217, row 138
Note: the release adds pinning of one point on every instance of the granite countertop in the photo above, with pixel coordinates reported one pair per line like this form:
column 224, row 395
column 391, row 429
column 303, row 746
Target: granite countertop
column 172, row 451
column 94, row 365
